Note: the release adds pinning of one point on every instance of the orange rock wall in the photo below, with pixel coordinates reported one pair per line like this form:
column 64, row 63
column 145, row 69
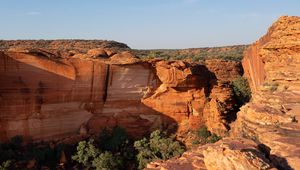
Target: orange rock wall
column 43, row 98
column 272, row 116
column 46, row 97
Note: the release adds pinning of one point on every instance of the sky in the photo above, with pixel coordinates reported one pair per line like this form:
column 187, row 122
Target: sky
column 144, row 24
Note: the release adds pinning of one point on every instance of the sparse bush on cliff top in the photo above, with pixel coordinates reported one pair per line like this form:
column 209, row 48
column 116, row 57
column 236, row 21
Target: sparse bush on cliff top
column 241, row 90
column 231, row 53
column 159, row 146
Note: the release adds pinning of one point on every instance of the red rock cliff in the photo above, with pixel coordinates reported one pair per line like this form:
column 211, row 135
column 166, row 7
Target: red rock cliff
column 47, row 95
column 270, row 120
column 272, row 65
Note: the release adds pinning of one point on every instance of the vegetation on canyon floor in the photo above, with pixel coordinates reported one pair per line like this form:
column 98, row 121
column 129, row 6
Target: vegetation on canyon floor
column 158, row 146
column 110, row 150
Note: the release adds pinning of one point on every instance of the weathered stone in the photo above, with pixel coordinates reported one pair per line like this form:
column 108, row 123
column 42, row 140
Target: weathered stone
column 227, row 154
column 272, row 65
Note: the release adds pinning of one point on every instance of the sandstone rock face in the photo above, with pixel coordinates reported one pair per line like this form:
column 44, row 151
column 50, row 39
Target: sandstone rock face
column 46, row 98
column 190, row 94
column 126, row 86
column 272, row 65
column 42, row 98
column 47, row 93
column 227, row 154
column 220, row 110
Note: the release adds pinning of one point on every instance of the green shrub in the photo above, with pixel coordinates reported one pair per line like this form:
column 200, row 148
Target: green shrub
column 196, row 142
column 5, row 165
column 159, row 146
column 91, row 157
column 203, row 133
column 206, row 136
column 214, row 138
column 241, row 90
column 86, row 153
column 107, row 161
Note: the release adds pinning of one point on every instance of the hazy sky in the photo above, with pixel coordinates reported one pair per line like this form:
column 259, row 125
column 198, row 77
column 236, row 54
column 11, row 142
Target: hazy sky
column 144, row 23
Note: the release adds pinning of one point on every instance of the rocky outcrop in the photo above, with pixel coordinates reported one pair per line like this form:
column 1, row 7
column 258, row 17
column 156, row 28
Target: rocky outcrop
column 272, row 65
column 193, row 94
column 47, row 94
column 270, row 121
column 227, row 154
column 220, row 109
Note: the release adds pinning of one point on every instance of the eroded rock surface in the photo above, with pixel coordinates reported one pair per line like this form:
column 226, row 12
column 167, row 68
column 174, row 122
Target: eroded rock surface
column 52, row 92
column 227, row 154
column 272, row 66
column 195, row 95
column 270, row 120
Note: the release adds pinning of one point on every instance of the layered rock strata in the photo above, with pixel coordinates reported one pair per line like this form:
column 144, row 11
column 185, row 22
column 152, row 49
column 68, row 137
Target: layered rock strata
column 270, row 119
column 227, row 154
column 272, row 65
column 45, row 95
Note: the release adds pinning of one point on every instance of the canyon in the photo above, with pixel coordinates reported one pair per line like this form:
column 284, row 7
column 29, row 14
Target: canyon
column 266, row 133
column 60, row 89
column 50, row 93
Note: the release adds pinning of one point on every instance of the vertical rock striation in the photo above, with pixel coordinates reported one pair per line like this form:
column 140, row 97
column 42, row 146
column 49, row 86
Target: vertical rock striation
column 272, row 65
column 45, row 95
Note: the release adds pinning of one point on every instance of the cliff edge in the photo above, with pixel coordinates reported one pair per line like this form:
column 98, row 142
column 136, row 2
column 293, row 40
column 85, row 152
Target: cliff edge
column 266, row 133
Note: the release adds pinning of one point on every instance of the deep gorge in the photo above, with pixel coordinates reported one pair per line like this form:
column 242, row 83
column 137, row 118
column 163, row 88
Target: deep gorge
column 66, row 91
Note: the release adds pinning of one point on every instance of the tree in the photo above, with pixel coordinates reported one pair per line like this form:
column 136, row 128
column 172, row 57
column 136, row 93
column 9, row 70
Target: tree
column 159, row 146
column 106, row 161
column 86, row 153
column 90, row 156
column 241, row 89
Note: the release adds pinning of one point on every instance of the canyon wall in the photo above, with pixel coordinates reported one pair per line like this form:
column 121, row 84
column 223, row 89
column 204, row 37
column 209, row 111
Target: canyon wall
column 270, row 121
column 272, row 65
column 45, row 94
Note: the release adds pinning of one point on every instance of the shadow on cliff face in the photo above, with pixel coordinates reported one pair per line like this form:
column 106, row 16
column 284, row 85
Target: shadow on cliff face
column 279, row 162
column 200, row 78
column 44, row 99
column 40, row 98
column 126, row 86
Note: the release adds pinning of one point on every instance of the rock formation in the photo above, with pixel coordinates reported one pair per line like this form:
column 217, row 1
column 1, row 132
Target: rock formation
column 270, row 119
column 227, row 154
column 56, row 91
column 272, row 66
